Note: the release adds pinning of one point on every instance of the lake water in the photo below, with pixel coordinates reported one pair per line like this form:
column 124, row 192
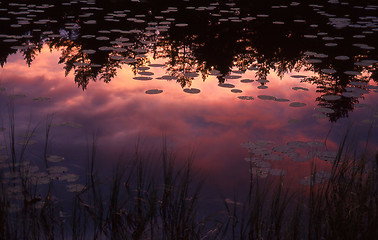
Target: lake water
column 274, row 86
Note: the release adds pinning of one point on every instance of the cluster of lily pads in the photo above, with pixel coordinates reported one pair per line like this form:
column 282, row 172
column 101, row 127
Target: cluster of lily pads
column 262, row 154
column 16, row 178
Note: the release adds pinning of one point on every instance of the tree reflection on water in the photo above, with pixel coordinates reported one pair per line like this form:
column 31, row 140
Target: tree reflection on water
column 192, row 37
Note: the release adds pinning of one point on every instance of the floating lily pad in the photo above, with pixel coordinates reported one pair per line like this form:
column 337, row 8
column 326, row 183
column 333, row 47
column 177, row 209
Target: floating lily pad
column 236, row 91
column 81, row 64
column 89, row 51
column 351, row 94
column 75, row 188
column 247, row 80
column 192, row 90
column 181, row 25
column 214, row 72
column 325, row 110
column 167, row 77
column 57, row 169
column 262, row 87
column 298, row 76
column 145, row 73
column 232, row 77
column 156, row 65
column 297, row 104
column 102, row 38
column 55, row 158
column 69, row 177
column 310, row 36
column 143, row 68
column 312, row 60
column 154, row 91
column 143, row 78
column 366, row 63
column 105, row 48
column 357, row 84
column 342, row 58
column 266, row 97
column 331, row 97
column 300, row 88
column 245, row 97
column 320, row 55
column 117, row 57
column 330, row 44
column 328, row 71
column 282, row 100
column 262, row 81
column 353, row 73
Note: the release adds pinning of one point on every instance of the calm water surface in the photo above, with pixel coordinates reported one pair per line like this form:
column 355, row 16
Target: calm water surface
column 277, row 85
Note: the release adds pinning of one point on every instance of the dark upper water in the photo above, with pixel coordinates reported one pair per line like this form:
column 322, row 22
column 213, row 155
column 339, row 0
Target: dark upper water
column 276, row 83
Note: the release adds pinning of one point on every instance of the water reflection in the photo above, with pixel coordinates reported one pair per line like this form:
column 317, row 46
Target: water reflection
column 221, row 38
column 250, row 87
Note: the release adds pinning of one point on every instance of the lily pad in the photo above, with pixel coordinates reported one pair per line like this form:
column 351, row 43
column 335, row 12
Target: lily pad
column 299, row 88
column 232, row 77
column 342, row 58
column 353, row 73
column 236, row 90
column 247, row 80
column 55, row 158
column 282, row 100
column 297, row 104
column 226, row 85
column 145, row 73
column 142, row 78
column 262, row 87
column 156, row 65
column 325, row 110
column 154, row 91
column 328, row 71
column 246, row 98
column 75, row 188
column 266, row 97
column 192, row 90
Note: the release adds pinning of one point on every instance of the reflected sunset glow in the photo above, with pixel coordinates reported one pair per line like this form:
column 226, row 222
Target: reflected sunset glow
column 215, row 123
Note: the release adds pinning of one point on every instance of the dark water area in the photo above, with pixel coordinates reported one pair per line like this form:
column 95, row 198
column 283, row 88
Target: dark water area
column 263, row 87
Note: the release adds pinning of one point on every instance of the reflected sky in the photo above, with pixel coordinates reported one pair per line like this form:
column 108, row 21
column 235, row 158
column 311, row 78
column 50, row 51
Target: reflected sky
column 214, row 123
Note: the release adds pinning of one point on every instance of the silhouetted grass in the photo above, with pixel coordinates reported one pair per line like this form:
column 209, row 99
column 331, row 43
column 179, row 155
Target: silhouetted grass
column 343, row 207
column 142, row 201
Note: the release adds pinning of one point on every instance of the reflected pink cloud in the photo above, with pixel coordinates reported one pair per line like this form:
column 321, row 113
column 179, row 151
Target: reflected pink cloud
column 214, row 122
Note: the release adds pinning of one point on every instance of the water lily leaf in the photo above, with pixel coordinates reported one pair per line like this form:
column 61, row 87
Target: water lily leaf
column 192, row 90
column 154, row 91
column 55, row 158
